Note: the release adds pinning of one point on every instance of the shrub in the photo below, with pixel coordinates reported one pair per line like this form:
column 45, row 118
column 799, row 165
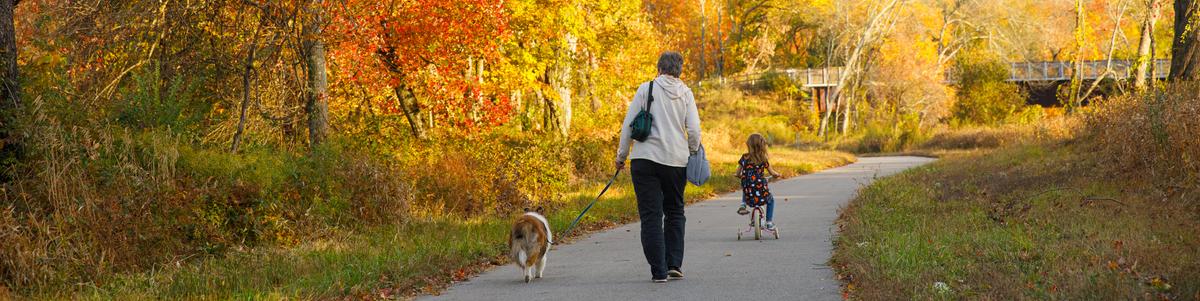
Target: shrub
column 1151, row 133
column 983, row 97
column 781, row 83
column 109, row 199
column 494, row 174
column 892, row 137
column 976, row 137
column 102, row 200
column 1029, row 114
column 177, row 106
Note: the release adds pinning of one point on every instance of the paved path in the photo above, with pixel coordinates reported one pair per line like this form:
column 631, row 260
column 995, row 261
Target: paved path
column 609, row 265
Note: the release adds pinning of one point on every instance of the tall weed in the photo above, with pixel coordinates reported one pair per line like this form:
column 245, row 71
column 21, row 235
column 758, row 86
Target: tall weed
column 1153, row 133
column 105, row 198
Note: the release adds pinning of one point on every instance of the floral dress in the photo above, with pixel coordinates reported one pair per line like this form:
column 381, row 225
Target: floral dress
column 754, row 182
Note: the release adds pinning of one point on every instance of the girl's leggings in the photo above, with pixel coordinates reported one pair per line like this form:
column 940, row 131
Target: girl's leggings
column 770, row 207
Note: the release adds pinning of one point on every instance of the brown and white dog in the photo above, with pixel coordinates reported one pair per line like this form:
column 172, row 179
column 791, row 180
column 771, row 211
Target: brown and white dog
column 529, row 242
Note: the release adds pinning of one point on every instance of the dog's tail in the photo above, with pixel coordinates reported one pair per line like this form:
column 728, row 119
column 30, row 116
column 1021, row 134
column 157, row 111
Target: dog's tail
column 523, row 241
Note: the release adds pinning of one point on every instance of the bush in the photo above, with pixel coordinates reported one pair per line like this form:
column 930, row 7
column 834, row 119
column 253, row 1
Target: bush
column 1029, row 114
column 497, row 174
column 102, row 200
column 1152, row 133
column 109, row 199
column 976, row 137
column 178, row 106
column 892, row 137
column 781, row 83
column 983, row 97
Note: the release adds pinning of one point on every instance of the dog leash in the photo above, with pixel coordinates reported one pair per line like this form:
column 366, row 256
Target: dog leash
column 589, row 206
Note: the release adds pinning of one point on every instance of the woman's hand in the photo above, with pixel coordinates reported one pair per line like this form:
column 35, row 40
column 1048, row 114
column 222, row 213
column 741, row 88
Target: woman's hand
column 619, row 164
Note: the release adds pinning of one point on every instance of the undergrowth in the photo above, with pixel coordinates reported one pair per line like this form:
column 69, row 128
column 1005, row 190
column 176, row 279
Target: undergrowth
column 1023, row 222
column 1107, row 211
column 422, row 255
column 136, row 201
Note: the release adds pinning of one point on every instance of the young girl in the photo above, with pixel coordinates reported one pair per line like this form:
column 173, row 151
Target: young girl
column 752, row 169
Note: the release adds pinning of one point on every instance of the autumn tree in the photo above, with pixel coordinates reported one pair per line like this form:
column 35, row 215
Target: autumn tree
column 1185, row 50
column 881, row 19
column 1145, row 57
column 10, row 90
column 317, row 100
column 423, row 48
column 304, row 22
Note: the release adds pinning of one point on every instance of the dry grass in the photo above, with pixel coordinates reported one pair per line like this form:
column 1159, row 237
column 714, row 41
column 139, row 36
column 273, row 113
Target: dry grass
column 1112, row 214
column 1156, row 134
column 111, row 211
column 970, row 138
column 398, row 260
column 1098, row 209
column 1024, row 222
column 103, row 199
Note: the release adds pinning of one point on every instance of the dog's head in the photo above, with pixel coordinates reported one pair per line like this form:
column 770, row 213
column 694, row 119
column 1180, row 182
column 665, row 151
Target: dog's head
column 538, row 210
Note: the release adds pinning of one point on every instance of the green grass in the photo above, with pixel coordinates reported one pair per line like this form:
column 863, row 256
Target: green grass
column 420, row 256
column 1030, row 221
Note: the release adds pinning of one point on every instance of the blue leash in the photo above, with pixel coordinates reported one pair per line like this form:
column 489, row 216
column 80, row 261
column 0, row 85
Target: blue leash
column 589, row 206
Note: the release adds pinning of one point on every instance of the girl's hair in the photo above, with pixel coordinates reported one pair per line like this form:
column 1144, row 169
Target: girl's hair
column 757, row 145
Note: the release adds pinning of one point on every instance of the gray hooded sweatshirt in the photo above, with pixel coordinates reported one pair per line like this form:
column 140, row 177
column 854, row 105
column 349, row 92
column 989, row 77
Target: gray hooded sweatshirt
column 675, row 133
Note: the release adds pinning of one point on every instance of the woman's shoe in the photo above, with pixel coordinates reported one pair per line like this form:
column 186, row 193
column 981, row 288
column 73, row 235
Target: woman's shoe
column 675, row 274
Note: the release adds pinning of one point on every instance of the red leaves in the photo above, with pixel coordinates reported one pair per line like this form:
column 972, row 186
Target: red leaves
column 427, row 45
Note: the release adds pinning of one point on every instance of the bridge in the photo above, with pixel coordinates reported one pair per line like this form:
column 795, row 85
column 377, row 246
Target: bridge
column 1034, row 76
column 1092, row 70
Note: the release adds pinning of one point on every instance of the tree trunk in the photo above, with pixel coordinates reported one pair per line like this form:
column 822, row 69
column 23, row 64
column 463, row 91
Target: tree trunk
column 1108, row 59
column 590, row 76
column 845, row 128
column 828, row 111
column 559, row 78
column 247, row 74
column 1185, row 53
column 1144, row 59
column 872, row 31
column 547, row 109
column 413, row 123
column 703, row 41
column 564, row 94
column 10, row 91
column 317, row 106
column 1077, row 75
column 720, row 48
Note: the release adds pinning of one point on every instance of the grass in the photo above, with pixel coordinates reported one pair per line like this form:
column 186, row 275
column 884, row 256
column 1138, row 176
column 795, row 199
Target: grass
column 1028, row 221
column 420, row 256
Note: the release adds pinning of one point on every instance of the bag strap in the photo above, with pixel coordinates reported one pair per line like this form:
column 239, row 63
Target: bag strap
column 649, row 97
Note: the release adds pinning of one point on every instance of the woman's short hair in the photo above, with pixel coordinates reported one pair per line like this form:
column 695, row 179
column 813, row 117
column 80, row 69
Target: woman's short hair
column 670, row 63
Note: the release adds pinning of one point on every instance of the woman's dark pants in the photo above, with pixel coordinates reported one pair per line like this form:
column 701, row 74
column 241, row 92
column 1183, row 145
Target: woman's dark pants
column 659, row 190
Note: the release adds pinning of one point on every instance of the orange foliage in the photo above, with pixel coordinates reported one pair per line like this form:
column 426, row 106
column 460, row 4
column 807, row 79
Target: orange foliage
column 431, row 46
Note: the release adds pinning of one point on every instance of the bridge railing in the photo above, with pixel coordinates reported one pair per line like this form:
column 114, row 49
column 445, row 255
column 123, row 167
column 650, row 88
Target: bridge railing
column 1059, row 71
column 1018, row 72
column 815, row 77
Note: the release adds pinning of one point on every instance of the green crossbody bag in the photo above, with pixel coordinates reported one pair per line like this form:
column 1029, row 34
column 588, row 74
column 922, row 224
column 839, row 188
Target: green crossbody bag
column 642, row 122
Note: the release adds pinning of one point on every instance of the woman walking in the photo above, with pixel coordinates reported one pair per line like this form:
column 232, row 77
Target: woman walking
column 659, row 161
